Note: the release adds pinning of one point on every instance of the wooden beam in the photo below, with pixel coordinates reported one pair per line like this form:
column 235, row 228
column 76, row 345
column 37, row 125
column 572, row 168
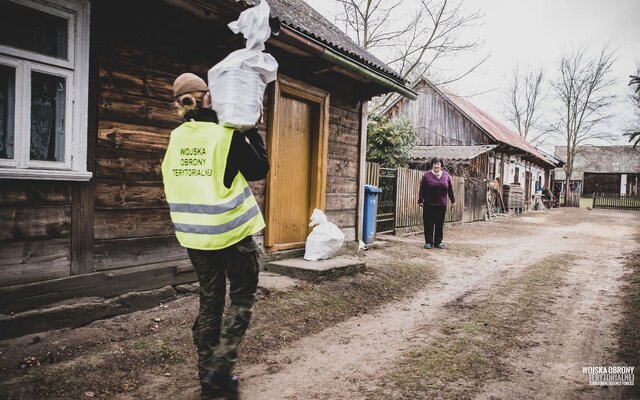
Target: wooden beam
column 34, row 223
column 82, row 312
column 123, row 194
column 32, row 261
column 82, row 193
column 324, row 70
column 502, row 171
column 19, row 298
column 25, row 192
column 132, row 223
column 82, row 217
column 362, row 169
column 124, row 253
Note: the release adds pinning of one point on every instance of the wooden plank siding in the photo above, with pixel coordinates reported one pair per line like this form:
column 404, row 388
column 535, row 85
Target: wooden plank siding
column 437, row 121
column 373, row 174
column 136, row 117
column 137, row 65
column 35, row 231
column 36, row 260
column 344, row 153
column 455, row 212
column 121, row 216
column 408, row 212
column 475, row 198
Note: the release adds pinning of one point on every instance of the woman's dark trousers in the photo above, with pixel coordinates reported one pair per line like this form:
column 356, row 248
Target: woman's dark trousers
column 218, row 341
column 433, row 218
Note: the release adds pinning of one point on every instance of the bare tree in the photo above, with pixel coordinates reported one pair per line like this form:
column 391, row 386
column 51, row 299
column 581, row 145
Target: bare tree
column 634, row 132
column 582, row 90
column 524, row 102
column 370, row 20
column 419, row 40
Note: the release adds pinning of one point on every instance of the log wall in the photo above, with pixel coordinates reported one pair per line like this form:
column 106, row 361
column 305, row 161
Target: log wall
column 437, row 121
column 136, row 118
column 35, row 231
column 119, row 221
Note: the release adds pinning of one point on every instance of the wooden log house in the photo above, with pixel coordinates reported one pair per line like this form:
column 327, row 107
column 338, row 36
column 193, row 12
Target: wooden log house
column 82, row 208
column 452, row 128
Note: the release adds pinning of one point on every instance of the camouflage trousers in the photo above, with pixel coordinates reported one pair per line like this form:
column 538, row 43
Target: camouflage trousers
column 218, row 341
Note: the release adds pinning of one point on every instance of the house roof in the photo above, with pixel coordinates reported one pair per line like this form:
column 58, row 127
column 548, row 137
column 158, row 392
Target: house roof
column 601, row 159
column 301, row 17
column 453, row 153
column 492, row 127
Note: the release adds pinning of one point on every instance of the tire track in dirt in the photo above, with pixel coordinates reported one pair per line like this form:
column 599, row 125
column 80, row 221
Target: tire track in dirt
column 579, row 330
column 342, row 361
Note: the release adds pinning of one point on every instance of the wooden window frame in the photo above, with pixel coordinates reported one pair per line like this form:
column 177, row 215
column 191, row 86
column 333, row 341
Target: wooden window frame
column 75, row 71
column 319, row 155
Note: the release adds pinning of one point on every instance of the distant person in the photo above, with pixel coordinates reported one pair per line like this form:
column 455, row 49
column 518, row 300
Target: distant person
column 435, row 187
column 547, row 197
column 205, row 173
column 556, row 195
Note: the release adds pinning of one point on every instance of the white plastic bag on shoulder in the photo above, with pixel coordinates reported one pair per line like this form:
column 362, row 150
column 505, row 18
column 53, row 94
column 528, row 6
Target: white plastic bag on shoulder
column 237, row 83
column 324, row 240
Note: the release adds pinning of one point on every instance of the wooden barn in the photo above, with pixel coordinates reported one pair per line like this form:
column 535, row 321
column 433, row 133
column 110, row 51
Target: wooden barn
column 472, row 143
column 602, row 169
column 85, row 117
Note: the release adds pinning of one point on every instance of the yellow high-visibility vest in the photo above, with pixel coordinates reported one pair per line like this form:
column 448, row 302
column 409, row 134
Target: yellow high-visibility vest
column 206, row 215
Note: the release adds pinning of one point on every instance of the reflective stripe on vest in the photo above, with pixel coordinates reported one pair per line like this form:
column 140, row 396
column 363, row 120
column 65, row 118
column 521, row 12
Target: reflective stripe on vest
column 206, row 214
column 209, row 209
column 217, row 229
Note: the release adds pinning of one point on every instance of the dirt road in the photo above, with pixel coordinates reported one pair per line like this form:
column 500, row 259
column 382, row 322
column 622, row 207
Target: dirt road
column 514, row 308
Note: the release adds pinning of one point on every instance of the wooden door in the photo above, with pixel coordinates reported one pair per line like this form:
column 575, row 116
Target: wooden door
column 292, row 199
column 297, row 142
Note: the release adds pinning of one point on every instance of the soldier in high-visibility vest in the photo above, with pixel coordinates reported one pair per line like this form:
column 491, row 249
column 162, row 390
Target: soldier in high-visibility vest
column 205, row 172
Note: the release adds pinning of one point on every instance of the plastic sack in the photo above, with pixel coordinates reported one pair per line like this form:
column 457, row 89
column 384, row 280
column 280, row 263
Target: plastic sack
column 325, row 239
column 237, row 83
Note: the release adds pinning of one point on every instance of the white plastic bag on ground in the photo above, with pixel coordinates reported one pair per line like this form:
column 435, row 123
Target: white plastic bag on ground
column 325, row 239
column 237, row 83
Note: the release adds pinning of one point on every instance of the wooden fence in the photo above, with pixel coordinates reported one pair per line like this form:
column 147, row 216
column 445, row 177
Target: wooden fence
column 574, row 199
column 373, row 174
column 474, row 193
column 408, row 212
column 455, row 212
column 613, row 201
column 403, row 208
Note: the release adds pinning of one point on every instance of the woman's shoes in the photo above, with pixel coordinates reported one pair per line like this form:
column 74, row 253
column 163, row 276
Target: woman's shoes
column 440, row 246
column 428, row 246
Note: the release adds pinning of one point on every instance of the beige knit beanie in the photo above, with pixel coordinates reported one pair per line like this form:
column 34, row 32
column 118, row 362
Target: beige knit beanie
column 187, row 83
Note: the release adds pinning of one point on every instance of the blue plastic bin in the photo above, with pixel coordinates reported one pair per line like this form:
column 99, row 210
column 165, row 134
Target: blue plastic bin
column 370, row 212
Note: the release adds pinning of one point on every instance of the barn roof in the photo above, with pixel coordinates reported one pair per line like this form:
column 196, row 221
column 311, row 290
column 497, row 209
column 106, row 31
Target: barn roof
column 491, row 126
column 601, row 159
column 494, row 128
column 453, row 153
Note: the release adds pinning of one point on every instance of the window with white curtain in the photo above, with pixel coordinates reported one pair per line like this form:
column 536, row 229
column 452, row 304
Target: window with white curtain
column 44, row 59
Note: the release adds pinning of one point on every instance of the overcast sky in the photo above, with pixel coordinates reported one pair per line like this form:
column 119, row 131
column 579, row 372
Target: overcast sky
column 537, row 33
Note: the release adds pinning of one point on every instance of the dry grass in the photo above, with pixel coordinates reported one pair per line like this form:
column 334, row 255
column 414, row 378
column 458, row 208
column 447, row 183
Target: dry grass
column 286, row 317
column 468, row 350
column 629, row 328
column 125, row 354
column 467, row 250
